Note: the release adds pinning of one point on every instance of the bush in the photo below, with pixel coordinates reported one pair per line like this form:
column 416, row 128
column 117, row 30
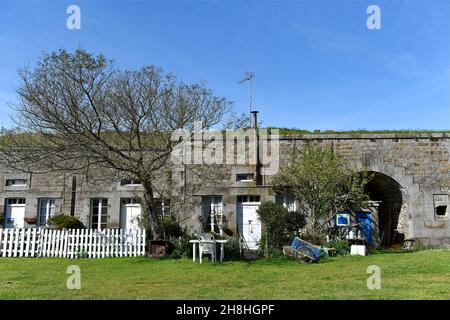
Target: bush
column 270, row 251
column 180, row 248
column 62, row 221
column 341, row 246
column 172, row 228
column 231, row 249
column 280, row 224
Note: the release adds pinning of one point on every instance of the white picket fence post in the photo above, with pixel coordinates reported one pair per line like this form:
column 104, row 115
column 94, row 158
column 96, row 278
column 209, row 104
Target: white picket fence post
column 73, row 243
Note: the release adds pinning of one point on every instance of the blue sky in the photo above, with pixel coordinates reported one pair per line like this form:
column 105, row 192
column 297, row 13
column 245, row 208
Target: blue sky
column 317, row 66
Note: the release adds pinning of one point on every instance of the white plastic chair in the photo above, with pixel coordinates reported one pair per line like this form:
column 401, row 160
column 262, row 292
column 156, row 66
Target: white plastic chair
column 207, row 247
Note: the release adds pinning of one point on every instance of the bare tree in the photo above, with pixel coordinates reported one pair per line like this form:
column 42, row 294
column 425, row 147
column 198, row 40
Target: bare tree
column 77, row 113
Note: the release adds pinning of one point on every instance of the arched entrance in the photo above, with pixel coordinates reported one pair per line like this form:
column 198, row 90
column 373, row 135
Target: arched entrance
column 387, row 192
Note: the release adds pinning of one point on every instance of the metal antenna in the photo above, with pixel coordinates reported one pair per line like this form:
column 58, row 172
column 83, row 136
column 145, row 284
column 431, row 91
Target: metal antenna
column 248, row 78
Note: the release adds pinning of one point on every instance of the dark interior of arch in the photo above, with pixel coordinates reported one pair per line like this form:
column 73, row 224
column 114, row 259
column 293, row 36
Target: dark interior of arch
column 385, row 189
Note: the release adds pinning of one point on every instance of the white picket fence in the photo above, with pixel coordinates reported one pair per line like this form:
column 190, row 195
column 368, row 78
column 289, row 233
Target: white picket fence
column 72, row 243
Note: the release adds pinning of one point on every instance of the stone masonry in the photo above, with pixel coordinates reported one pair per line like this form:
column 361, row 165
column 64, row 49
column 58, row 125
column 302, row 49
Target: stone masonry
column 412, row 172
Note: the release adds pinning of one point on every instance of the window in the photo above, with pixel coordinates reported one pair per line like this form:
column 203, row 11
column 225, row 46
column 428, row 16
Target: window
column 212, row 213
column 245, row 177
column 16, row 182
column 248, row 198
column 162, row 206
column 130, row 182
column 99, row 213
column 441, row 210
column 441, row 213
column 11, row 201
column 440, row 206
column 286, row 201
column 126, row 201
column 342, row 219
column 46, row 210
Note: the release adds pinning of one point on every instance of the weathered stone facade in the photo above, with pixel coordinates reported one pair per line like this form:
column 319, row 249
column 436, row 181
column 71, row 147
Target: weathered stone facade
column 412, row 185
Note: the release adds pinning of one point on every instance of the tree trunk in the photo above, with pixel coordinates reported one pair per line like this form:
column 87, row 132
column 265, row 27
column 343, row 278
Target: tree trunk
column 152, row 216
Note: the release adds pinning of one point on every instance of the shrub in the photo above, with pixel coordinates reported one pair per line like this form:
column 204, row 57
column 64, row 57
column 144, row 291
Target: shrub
column 231, row 249
column 62, row 221
column 172, row 228
column 341, row 246
column 269, row 250
column 280, row 224
column 179, row 248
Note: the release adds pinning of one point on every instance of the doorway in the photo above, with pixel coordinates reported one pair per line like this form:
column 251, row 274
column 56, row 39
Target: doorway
column 130, row 211
column 14, row 212
column 387, row 191
column 249, row 225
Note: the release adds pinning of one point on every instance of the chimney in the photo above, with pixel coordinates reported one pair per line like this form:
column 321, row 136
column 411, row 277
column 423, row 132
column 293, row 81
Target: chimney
column 258, row 176
column 255, row 119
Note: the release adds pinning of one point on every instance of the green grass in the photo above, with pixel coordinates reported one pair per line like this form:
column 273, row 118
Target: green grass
column 414, row 275
column 295, row 131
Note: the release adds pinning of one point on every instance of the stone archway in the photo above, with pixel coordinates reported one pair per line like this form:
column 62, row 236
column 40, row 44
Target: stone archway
column 388, row 193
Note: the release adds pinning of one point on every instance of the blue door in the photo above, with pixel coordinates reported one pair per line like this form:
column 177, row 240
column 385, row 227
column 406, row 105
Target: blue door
column 365, row 219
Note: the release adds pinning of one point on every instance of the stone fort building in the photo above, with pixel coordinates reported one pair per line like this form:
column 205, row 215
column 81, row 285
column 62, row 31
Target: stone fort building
column 409, row 192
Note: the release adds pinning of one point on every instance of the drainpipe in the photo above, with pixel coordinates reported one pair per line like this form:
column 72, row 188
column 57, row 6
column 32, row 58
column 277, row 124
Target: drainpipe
column 258, row 176
column 74, row 193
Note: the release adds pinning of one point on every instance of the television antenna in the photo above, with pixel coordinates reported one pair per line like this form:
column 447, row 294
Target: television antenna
column 249, row 79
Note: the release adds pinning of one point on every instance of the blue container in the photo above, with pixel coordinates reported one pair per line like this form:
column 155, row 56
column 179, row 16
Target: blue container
column 298, row 243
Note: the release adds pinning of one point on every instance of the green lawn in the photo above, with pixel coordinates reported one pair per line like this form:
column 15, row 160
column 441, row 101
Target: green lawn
column 414, row 275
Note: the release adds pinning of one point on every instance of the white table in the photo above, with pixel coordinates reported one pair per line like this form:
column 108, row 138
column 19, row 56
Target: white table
column 195, row 242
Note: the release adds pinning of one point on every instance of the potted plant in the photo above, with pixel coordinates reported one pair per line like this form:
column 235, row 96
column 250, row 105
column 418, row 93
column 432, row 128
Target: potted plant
column 30, row 220
column 160, row 247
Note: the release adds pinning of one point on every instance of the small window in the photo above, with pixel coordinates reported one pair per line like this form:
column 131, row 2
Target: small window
column 342, row 219
column 440, row 206
column 244, row 177
column 16, row 182
column 162, row 207
column 249, row 198
column 11, row 201
column 441, row 210
column 441, row 213
column 286, row 201
column 130, row 201
column 130, row 182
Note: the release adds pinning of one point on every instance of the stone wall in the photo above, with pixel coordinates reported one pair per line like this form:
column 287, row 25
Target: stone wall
column 420, row 164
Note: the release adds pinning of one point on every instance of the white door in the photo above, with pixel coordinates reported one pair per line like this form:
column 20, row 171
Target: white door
column 130, row 212
column 249, row 225
column 15, row 213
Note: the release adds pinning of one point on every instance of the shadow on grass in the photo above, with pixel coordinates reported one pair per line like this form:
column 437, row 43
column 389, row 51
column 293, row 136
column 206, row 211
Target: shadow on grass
column 271, row 261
